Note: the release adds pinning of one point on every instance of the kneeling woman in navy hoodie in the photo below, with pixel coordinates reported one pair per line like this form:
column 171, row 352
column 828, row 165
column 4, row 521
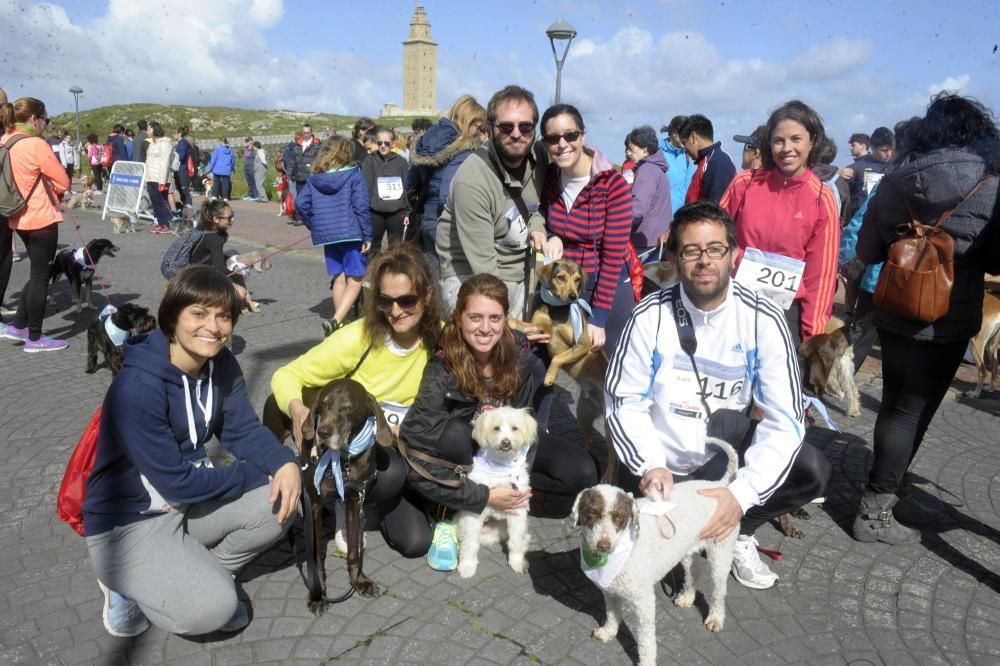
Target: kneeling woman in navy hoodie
column 167, row 532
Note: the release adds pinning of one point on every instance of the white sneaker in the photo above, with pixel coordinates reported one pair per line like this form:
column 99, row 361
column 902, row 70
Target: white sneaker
column 748, row 568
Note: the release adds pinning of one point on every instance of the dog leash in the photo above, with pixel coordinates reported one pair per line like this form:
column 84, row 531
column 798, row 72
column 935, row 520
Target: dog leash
column 281, row 249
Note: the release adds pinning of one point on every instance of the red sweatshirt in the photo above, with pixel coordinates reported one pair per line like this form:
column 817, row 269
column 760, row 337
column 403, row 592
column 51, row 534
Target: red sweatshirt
column 595, row 232
column 796, row 217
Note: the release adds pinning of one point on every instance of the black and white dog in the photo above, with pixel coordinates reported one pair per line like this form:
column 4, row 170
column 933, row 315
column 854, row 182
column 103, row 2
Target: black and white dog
column 109, row 331
column 78, row 265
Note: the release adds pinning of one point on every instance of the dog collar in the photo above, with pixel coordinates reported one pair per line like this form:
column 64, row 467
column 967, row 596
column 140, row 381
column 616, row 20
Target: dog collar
column 80, row 257
column 117, row 335
column 576, row 310
column 329, row 462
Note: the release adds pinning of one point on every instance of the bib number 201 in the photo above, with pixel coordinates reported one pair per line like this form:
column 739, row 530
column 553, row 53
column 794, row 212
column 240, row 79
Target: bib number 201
column 774, row 277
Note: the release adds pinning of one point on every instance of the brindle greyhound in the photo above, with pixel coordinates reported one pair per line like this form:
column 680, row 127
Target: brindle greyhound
column 339, row 411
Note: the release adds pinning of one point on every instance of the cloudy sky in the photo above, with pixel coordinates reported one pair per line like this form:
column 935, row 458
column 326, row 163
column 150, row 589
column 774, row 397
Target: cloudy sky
column 860, row 64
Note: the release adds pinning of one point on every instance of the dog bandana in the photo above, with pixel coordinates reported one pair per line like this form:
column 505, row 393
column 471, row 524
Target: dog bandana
column 809, row 401
column 330, row 460
column 117, row 335
column 80, row 257
column 576, row 310
column 603, row 569
column 489, row 466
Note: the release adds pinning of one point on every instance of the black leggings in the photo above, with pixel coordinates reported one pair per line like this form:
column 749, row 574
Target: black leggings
column 97, row 171
column 41, row 247
column 916, row 375
column 561, row 467
column 393, row 224
column 806, row 481
column 402, row 520
column 6, row 257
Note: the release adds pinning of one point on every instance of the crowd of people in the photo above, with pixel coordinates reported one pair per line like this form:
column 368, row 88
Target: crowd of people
column 465, row 210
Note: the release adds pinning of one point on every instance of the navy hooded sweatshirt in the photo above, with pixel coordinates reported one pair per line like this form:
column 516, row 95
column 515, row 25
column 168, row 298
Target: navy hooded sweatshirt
column 154, row 426
column 334, row 206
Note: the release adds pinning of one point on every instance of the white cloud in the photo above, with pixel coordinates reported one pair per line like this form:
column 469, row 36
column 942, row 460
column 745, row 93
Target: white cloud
column 956, row 84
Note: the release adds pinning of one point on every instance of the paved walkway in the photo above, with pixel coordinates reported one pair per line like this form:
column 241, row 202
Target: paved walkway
column 838, row 601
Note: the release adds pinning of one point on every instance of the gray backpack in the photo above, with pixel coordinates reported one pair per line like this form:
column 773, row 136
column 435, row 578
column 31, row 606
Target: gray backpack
column 178, row 255
column 11, row 201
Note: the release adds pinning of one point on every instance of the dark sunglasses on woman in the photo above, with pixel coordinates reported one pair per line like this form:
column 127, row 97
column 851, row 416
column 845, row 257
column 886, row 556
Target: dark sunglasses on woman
column 554, row 139
column 406, row 302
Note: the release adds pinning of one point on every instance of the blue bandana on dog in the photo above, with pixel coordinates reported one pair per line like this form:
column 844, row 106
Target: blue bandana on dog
column 117, row 335
column 576, row 310
column 330, row 460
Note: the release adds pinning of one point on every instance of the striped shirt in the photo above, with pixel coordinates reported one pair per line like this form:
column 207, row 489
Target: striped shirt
column 595, row 232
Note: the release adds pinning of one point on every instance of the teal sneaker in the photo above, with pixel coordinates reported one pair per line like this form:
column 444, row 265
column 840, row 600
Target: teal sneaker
column 443, row 555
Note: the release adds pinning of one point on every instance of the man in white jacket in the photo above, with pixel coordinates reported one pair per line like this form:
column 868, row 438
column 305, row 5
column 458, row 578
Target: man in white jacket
column 736, row 355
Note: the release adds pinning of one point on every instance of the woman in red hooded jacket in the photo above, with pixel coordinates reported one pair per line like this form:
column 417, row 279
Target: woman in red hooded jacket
column 783, row 209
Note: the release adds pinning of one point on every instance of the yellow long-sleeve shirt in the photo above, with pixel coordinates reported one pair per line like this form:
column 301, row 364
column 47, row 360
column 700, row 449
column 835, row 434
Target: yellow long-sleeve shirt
column 388, row 374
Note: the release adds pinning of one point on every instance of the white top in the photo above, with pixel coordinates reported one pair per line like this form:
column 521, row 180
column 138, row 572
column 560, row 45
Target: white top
column 571, row 188
column 656, row 419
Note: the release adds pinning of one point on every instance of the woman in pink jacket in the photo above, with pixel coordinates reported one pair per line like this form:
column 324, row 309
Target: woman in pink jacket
column 41, row 180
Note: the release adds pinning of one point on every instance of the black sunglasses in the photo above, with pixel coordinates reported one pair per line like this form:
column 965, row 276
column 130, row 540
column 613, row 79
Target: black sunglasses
column 554, row 139
column 383, row 143
column 406, row 302
column 508, row 128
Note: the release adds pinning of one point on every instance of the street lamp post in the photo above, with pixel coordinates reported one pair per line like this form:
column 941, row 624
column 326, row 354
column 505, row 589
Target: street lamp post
column 77, row 91
column 560, row 31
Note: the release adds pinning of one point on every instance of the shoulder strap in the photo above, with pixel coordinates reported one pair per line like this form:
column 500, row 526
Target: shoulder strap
column 409, row 455
column 689, row 342
column 10, row 143
column 484, row 154
column 947, row 213
column 361, row 360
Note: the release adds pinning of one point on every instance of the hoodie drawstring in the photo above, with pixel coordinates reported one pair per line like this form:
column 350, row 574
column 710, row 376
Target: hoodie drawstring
column 206, row 408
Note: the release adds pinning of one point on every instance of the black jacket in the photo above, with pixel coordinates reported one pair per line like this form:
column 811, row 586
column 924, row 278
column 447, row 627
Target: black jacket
column 933, row 183
column 391, row 166
column 301, row 167
column 438, row 401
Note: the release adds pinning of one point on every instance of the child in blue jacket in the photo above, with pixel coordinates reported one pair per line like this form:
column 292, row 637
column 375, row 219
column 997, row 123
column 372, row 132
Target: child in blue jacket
column 334, row 206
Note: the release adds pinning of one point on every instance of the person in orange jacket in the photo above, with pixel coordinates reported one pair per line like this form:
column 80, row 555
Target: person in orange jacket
column 41, row 180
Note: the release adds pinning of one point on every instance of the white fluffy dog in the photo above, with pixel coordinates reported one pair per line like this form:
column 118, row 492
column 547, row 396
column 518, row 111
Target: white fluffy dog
column 505, row 435
column 627, row 562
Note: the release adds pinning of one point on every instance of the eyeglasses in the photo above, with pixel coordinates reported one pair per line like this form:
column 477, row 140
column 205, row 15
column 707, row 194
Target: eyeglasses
column 387, row 144
column 508, row 128
column 230, row 217
column 693, row 253
column 554, row 139
column 406, row 302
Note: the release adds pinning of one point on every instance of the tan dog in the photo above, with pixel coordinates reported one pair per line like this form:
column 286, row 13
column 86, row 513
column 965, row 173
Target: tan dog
column 84, row 199
column 122, row 223
column 830, row 359
column 561, row 284
column 985, row 346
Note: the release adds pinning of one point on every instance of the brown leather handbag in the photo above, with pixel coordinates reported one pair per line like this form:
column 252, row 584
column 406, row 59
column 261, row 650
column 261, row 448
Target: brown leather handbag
column 919, row 272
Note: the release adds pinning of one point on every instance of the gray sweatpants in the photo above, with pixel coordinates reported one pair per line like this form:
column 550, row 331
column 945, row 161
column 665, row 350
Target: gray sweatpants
column 180, row 566
column 449, row 296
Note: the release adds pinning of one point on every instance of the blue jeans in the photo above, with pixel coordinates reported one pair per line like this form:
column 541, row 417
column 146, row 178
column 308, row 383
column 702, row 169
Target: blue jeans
column 251, row 183
column 159, row 200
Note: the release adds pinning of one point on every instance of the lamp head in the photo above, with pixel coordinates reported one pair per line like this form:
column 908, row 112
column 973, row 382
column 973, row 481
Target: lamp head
column 560, row 31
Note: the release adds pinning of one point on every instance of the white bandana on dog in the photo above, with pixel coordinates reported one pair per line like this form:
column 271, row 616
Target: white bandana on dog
column 80, row 257
column 117, row 335
column 603, row 569
column 488, row 466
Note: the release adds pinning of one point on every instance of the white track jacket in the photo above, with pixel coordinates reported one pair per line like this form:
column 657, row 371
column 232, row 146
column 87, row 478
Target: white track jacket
column 655, row 415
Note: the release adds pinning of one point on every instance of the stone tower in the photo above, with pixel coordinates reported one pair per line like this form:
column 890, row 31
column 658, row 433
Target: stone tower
column 419, row 65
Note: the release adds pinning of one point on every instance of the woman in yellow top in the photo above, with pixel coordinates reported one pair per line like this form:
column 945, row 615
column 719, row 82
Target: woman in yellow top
column 386, row 352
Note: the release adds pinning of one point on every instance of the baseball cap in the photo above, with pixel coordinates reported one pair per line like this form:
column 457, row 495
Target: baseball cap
column 755, row 140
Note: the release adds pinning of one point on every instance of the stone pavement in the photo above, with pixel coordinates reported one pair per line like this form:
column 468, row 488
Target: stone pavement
column 838, row 601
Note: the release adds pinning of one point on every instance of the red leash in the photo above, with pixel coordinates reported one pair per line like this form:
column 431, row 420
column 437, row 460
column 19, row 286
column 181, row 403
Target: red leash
column 90, row 259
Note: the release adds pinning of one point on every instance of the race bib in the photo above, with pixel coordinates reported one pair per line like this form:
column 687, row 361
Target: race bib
column 516, row 237
column 394, row 412
column 390, row 188
column 773, row 275
column 629, row 176
column 719, row 382
column 871, row 180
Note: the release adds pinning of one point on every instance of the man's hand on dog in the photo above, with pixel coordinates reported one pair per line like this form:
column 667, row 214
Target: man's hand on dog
column 508, row 499
column 536, row 335
column 726, row 517
column 553, row 249
column 286, row 484
column 299, row 413
column 657, row 483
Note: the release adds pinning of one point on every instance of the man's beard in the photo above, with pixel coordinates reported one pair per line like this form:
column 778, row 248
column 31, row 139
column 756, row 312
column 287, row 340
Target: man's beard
column 703, row 295
column 509, row 158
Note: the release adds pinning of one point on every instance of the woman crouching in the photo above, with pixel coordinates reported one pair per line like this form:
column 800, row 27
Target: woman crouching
column 481, row 363
column 167, row 532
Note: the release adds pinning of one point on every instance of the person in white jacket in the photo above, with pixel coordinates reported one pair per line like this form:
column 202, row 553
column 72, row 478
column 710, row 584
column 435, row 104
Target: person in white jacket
column 159, row 154
column 738, row 355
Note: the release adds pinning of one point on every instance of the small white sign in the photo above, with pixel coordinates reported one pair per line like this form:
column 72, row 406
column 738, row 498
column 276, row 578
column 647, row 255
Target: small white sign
column 773, row 275
column 390, row 188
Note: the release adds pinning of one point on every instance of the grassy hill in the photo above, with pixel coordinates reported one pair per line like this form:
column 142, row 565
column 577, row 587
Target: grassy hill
column 207, row 122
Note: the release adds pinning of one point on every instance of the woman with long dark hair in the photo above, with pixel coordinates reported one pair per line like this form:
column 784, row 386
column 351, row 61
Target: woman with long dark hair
column 481, row 363
column 41, row 180
column 784, row 210
column 946, row 155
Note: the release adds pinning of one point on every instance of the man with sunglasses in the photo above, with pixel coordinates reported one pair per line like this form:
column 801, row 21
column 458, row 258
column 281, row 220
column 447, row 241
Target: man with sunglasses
column 303, row 155
column 490, row 221
column 696, row 359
